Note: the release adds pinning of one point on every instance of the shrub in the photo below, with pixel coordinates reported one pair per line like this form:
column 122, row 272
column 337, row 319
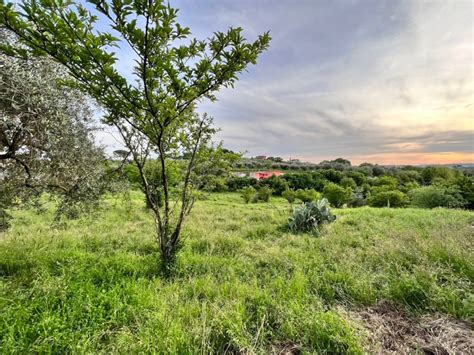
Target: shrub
column 236, row 183
column 358, row 198
column 436, row 196
column 466, row 189
column 248, row 193
column 290, row 195
column 215, row 184
column 275, row 183
column 263, row 194
column 336, row 194
column 392, row 198
column 310, row 216
column 307, row 195
column 4, row 220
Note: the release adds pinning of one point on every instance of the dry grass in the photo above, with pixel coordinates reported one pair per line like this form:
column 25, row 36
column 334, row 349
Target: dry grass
column 392, row 331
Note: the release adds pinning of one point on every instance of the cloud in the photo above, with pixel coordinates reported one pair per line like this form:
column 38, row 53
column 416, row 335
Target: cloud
column 400, row 87
column 363, row 79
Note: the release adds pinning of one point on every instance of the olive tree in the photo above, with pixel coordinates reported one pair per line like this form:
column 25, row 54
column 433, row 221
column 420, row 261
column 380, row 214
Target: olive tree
column 45, row 138
column 155, row 113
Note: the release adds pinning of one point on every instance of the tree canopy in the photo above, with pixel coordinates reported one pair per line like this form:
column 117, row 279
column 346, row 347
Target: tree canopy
column 45, row 136
column 155, row 113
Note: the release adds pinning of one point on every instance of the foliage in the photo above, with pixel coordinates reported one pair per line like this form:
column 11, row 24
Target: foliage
column 348, row 182
column 236, row 183
column 409, row 186
column 466, row 189
column 276, row 183
column 431, row 173
column 336, row 194
column 46, row 142
column 173, row 73
column 263, row 194
column 305, row 181
column 358, row 198
column 214, row 167
column 436, row 196
column 307, row 195
column 385, row 183
column 248, row 193
column 362, row 180
column 310, row 216
column 392, row 198
column 152, row 171
column 93, row 288
column 332, row 175
column 289, row 195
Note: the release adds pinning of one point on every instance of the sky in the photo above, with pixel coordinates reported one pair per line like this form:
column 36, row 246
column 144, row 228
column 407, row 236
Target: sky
column 381, row 81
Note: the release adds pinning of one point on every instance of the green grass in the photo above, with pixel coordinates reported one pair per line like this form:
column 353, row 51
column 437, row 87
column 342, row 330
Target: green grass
column 243, row 282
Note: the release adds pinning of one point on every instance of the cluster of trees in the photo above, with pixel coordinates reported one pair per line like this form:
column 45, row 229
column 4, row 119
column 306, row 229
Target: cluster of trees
column 373, row 185
column 278, row 163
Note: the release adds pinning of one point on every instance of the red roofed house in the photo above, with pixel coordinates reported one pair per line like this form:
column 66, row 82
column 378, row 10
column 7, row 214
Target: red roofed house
column 259, row 175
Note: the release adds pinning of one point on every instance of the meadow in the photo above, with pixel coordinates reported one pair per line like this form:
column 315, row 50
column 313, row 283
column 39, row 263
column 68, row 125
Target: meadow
column 376, row 280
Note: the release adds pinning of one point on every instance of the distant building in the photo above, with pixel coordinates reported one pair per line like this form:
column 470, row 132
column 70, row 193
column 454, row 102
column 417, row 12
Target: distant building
column 260, row 175
column 261, row 157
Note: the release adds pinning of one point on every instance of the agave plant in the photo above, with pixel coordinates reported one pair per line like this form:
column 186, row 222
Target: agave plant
column 310, row 216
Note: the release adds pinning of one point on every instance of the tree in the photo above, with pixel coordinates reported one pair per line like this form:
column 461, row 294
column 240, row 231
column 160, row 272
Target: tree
column 348, row 182
column 154, row 115
column 45, row 138
column 436, row 196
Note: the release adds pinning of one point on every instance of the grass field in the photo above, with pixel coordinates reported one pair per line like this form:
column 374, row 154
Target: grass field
column 243, row 284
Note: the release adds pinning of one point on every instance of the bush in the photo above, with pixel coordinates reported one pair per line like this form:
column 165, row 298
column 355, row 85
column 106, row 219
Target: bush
column 236, row 183
column 466, row 189
column 358, row 198
column 307, row 195
column 4, row 220
column 263, row 195
column 275, row 183
column 290, row 195
column 215, row 184
column 393, row 198
column 336, row 194
column 310, row 216
column 436, row 196
column 248, row 193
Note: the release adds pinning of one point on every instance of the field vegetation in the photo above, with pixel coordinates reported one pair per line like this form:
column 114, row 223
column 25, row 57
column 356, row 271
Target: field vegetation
column 244, row 282
column 166, row 247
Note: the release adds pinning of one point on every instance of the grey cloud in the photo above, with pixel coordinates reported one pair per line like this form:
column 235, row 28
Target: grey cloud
column 346, row 77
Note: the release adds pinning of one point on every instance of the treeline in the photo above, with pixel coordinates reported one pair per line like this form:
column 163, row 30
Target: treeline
column 338, row 181
column 373, row 185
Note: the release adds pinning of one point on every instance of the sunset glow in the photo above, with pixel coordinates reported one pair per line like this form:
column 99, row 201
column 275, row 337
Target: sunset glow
column 381, row 81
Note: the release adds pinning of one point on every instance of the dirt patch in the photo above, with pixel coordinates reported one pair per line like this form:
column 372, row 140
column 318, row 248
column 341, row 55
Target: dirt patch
column 285, row 349
column 393, row 331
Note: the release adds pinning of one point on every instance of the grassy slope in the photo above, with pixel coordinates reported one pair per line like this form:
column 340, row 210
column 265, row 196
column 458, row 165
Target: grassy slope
column 243, row 282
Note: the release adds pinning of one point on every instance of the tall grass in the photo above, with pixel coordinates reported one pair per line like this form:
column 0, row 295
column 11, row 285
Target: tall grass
column 243, row 282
